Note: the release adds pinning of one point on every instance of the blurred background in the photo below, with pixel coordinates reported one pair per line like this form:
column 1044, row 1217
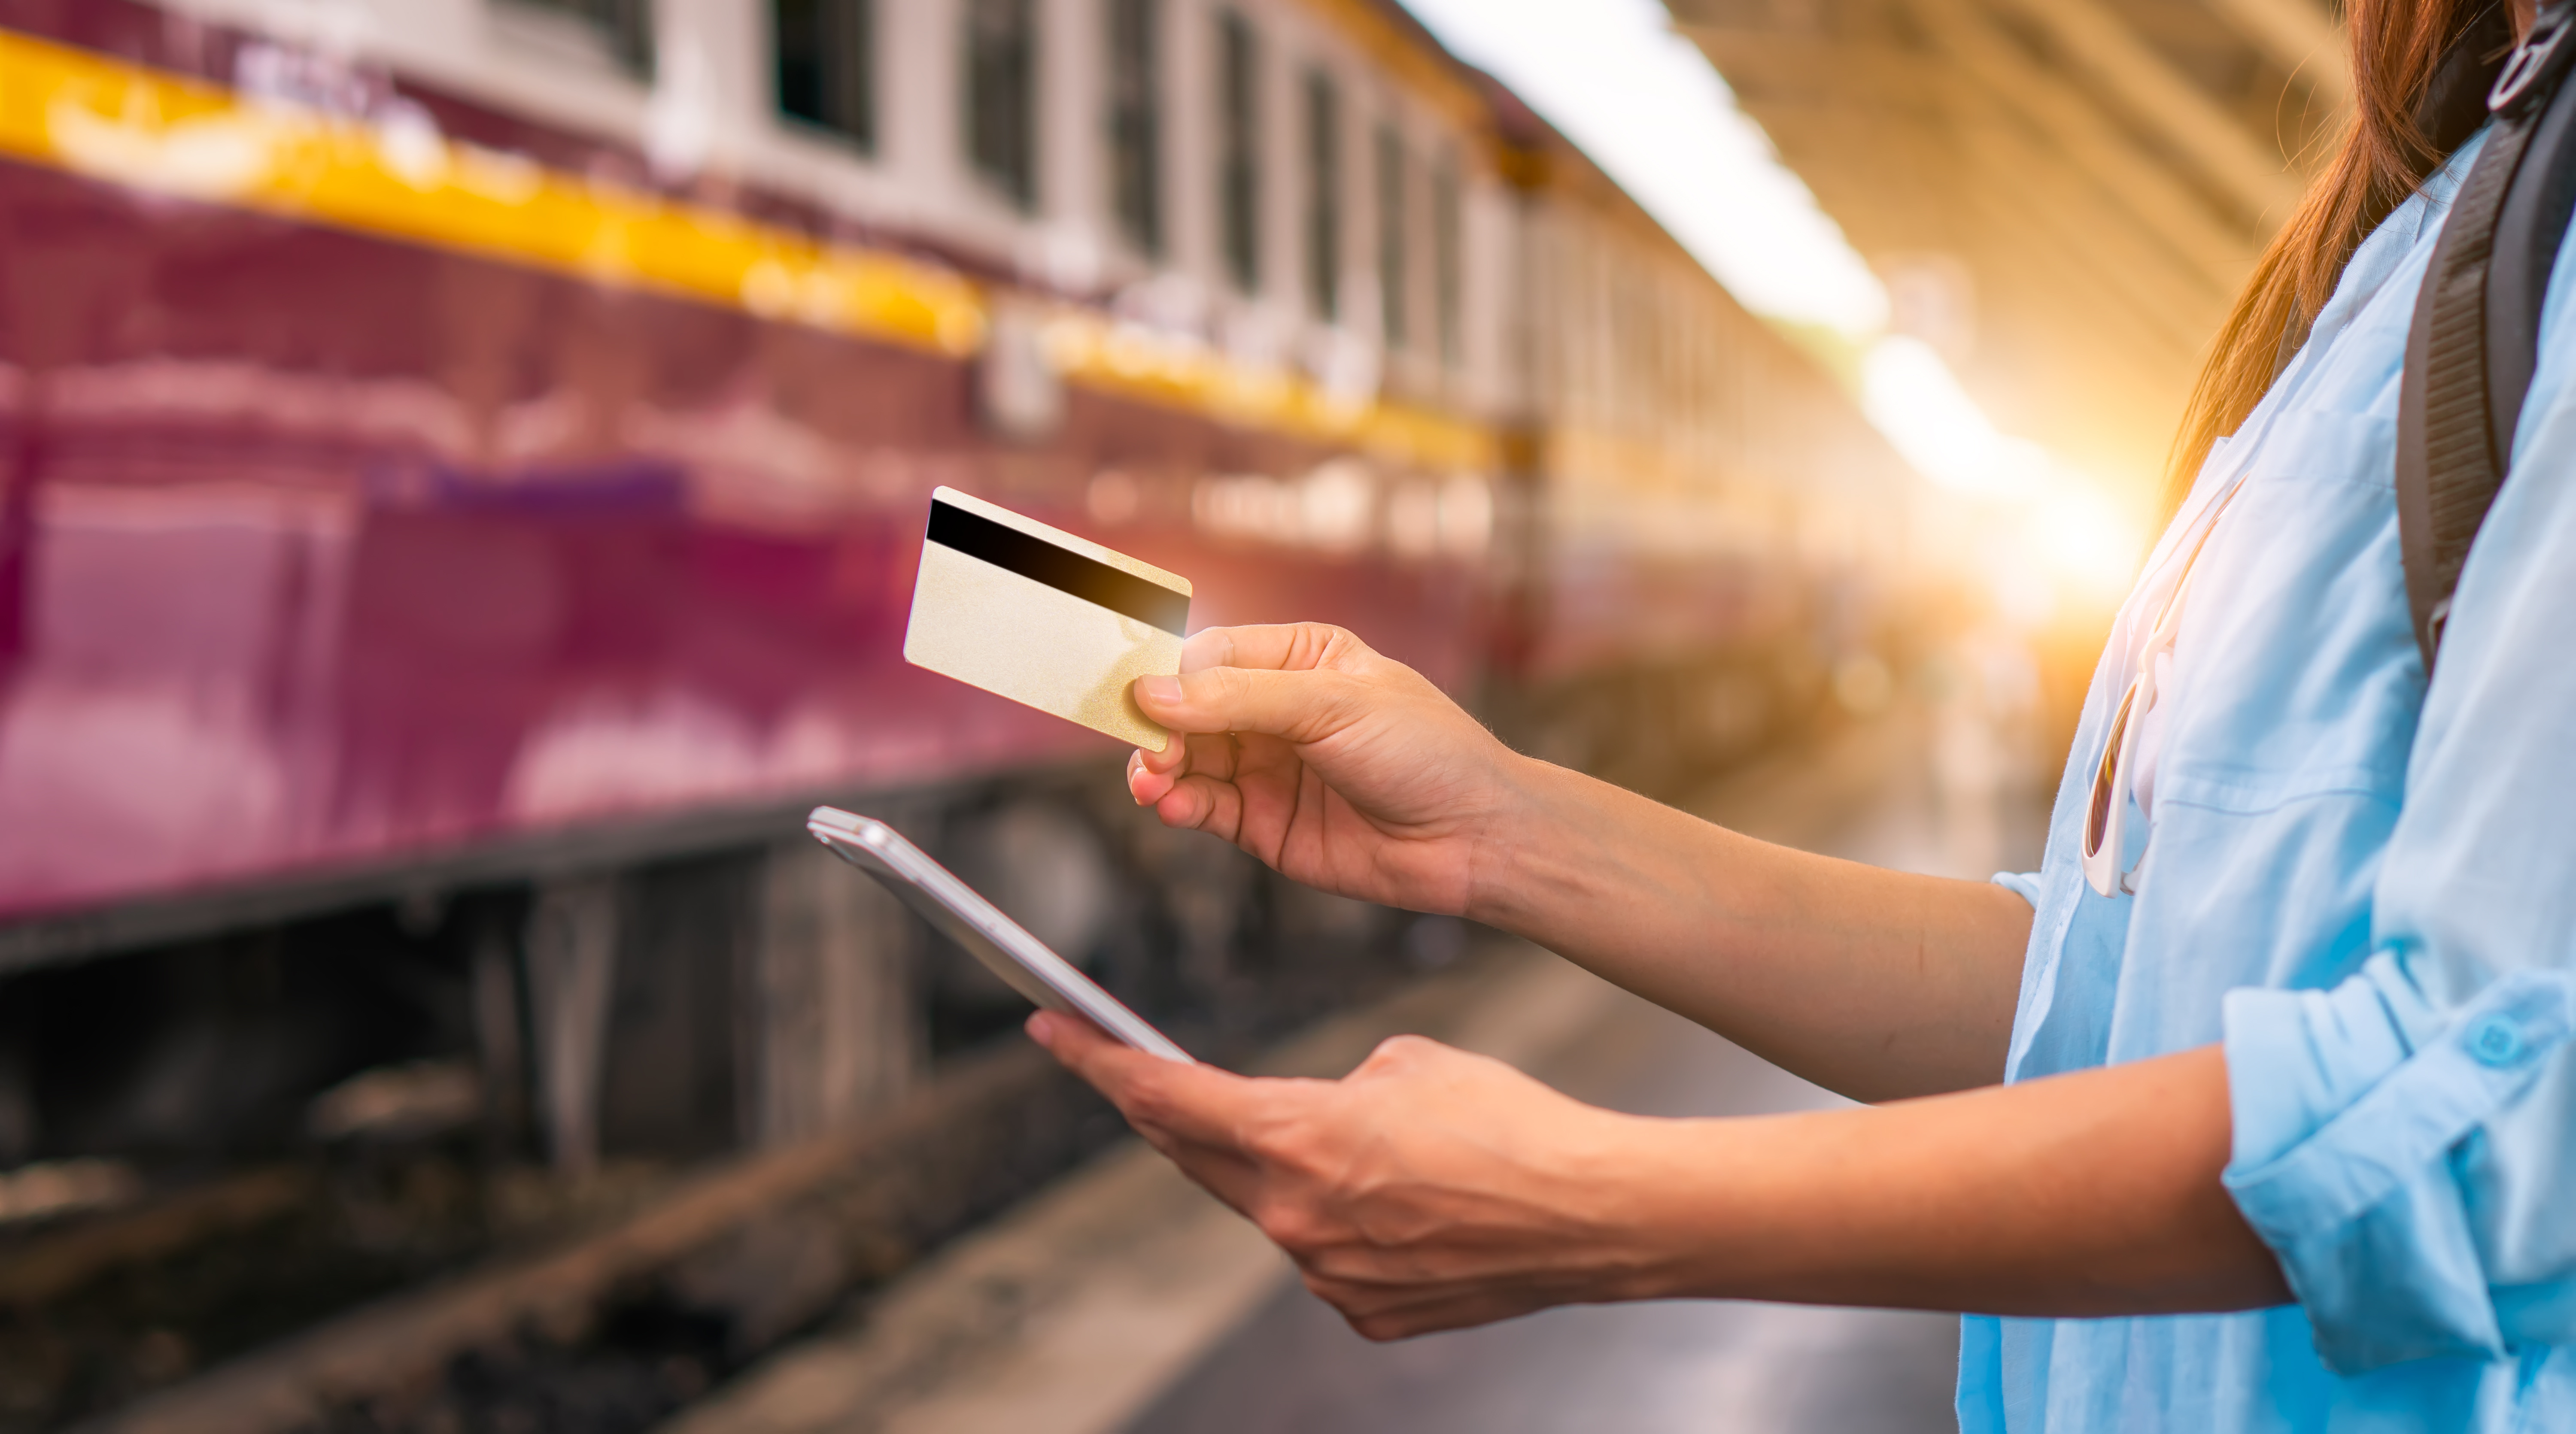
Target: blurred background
column 462, row 465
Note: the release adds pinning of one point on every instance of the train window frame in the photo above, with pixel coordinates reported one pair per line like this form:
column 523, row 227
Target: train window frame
column 617, row 34
column 1239, row 137
column 1448, row 260
column 1132, row 118
column 1393, row 169
column 1001, row 68
column 1321, row 132
column 847, row 101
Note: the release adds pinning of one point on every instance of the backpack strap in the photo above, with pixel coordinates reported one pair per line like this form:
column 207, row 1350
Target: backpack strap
column 2475, row 339
column 2527, row 236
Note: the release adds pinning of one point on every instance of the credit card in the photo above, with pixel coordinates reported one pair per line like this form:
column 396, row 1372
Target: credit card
column 1042, row 617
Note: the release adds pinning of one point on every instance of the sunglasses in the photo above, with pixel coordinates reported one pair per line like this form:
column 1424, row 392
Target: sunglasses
column 2106, row 818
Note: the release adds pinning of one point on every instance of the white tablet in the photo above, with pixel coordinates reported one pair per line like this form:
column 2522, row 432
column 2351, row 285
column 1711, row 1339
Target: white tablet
column 965, row 917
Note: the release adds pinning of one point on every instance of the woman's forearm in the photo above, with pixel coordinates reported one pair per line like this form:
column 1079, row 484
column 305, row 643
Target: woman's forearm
column 2089, row 1194
column 1431, row 1189
column 1873, row 983
column 1349, row 772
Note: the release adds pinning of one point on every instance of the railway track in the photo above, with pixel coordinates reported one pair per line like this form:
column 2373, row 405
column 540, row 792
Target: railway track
column 657, row 1284
column 616, row 1329
column 656, row 1289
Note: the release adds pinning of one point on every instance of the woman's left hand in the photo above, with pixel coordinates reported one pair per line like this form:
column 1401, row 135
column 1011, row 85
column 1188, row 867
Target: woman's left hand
column 1429, row 1189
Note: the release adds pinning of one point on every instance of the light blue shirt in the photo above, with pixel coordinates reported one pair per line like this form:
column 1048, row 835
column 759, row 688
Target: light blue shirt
column 2367, row 891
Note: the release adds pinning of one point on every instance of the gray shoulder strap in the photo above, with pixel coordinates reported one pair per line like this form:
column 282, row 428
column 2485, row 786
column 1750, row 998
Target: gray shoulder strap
column 2475, row 340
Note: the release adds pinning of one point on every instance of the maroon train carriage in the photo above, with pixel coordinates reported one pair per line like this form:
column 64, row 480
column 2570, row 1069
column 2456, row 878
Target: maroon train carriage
column 445, row 541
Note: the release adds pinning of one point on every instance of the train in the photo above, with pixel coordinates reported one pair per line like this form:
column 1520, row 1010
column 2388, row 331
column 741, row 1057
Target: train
column 462, row 465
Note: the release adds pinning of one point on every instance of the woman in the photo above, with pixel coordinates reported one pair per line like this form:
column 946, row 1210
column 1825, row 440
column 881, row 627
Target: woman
column 2279, row 1134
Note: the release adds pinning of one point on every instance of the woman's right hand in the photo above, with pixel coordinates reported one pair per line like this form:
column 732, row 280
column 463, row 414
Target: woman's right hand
column 1342, row 769
column 1348, row 772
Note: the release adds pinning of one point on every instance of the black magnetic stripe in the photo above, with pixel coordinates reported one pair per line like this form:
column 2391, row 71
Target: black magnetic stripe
column 1068, row 572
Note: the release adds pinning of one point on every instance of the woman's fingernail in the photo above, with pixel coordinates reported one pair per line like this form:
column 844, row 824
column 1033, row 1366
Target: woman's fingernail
column 1164, row 690
column 1041, row 1029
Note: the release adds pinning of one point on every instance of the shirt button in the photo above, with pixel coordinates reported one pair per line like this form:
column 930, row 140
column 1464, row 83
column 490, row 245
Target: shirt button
column 2495, row 1041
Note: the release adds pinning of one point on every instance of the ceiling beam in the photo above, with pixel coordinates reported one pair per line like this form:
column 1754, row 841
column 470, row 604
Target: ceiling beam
column 2300, row 37
column 1979, row 77
column 2016, row 214
column 2128, row 276
column 1760, row 64
column 2102, row 252
column 2253, row 174
column 2006, row 79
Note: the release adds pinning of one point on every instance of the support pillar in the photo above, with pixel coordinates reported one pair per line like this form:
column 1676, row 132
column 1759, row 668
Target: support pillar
column 500, row 1030
column 835, row 1030
column 572, row 965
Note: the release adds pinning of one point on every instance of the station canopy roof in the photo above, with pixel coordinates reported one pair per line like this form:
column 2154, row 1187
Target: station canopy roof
column 2062, row 195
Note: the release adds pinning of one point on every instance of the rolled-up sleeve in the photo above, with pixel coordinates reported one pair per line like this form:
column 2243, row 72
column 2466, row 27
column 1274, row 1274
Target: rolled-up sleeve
column 2024, row 884
column 2359, row 1153
column 2406, row 1141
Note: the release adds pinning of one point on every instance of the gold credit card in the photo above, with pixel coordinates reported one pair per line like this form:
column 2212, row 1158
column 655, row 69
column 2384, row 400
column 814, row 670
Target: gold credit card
column 1040, row 616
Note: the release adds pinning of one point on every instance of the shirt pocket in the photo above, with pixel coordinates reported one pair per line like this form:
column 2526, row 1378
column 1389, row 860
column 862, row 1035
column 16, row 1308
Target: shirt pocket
column 2295, row 669
column 2329, row 445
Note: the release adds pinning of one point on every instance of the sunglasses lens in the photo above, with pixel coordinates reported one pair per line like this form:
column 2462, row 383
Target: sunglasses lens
column 2106, row 777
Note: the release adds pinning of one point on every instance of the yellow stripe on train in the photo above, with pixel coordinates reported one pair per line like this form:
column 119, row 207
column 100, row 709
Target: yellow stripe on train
column 125, row 124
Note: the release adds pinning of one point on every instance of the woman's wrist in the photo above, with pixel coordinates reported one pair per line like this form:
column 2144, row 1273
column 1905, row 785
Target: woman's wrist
column 1583, row 867
column 1665, row 1206
column 1733, row 1208
column 1522, row 832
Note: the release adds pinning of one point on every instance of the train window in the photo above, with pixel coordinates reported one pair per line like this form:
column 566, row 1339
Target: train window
column 1446, row 297
column 1239, row 149
column 1001, row 96
column 1323, row 195
column 622, row 29
column 827, row 65
column 1136, row 123
column 1393, row 292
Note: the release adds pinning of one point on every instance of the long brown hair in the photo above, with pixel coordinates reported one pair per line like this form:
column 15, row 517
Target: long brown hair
column 2397, row 45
